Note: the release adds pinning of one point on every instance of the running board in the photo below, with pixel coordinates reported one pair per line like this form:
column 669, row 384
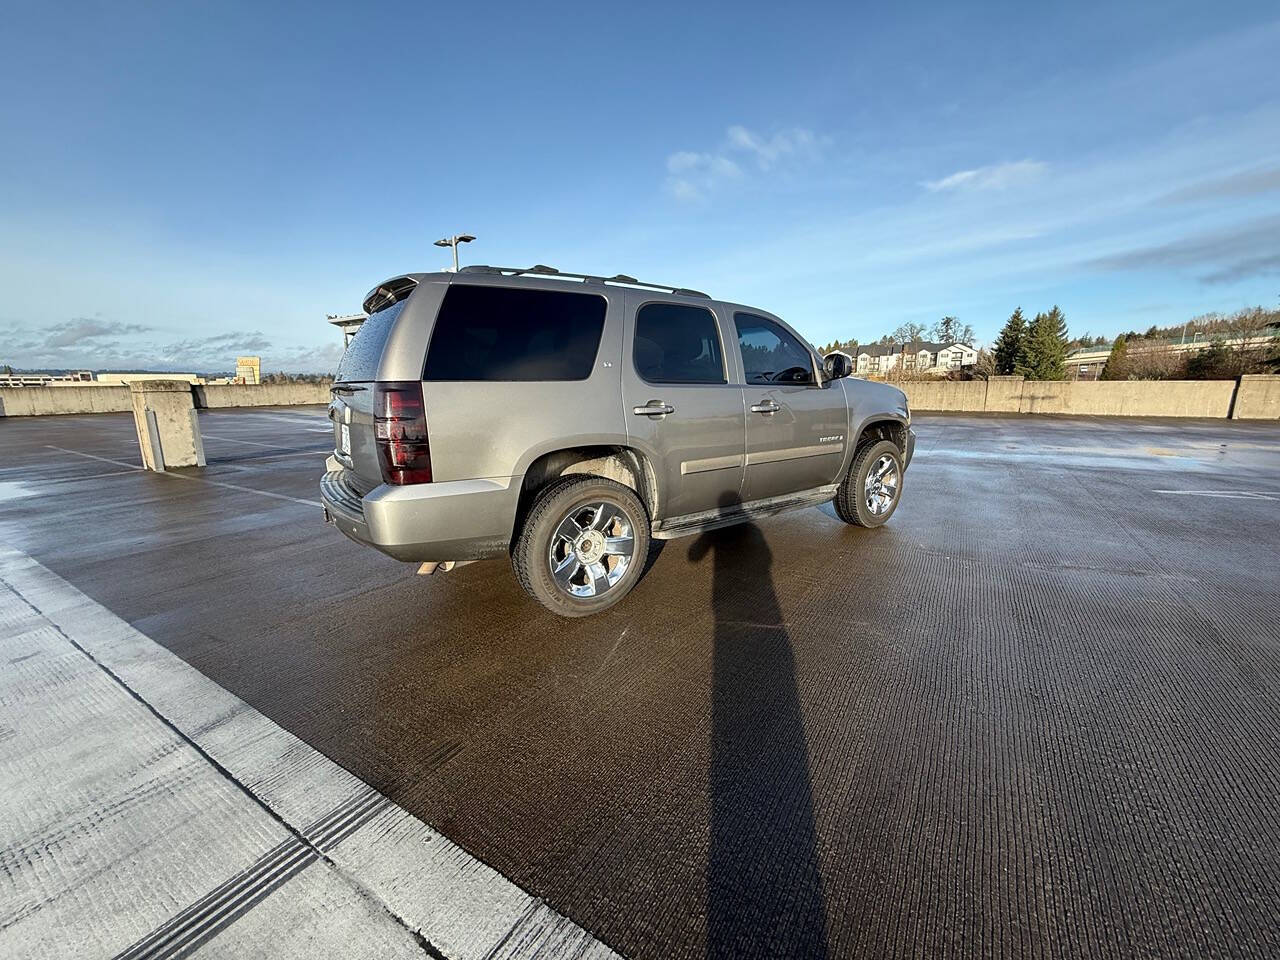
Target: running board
column 692, row 523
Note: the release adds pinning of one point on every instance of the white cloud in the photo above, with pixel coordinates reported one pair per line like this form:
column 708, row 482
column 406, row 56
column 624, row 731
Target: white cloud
column 998, row 176
column 797, row 142
column 693, row 176
column 93, row 344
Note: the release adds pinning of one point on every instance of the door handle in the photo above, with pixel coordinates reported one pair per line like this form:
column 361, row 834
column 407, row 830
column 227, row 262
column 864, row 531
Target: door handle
column 767, row 407
column 654, row 408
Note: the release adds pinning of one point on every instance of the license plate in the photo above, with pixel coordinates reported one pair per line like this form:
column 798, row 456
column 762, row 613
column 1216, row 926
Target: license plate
column 344, row 439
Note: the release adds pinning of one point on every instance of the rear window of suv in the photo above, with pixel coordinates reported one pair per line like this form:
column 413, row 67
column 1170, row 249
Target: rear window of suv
column 506, row 333
column 360, row 361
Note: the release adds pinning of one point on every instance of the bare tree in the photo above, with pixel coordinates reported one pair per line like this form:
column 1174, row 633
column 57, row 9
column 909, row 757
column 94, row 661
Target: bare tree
column 905, row 334
column 949, row 330
column 985, row 367
column 908, row 333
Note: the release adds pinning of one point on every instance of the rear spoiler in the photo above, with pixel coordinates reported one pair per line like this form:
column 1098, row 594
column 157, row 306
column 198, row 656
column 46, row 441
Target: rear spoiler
column 388, row 293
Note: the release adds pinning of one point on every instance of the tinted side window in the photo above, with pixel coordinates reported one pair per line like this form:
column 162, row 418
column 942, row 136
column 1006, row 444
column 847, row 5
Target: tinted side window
column 505, row 333
column 769, row 353
column 677, row 344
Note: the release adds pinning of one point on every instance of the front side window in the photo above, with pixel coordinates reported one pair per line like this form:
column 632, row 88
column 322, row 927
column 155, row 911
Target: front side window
column 770, row 354
column 677, row 344
column 510, row 333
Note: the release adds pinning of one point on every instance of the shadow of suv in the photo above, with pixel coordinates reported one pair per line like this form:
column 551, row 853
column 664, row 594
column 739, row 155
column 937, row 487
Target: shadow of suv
column 566, row 420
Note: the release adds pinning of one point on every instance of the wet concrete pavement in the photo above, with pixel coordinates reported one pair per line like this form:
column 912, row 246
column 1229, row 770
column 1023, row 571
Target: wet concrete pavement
column 1036, row 714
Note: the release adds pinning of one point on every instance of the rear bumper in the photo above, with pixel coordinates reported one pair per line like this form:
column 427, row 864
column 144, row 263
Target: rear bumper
column 451, row 520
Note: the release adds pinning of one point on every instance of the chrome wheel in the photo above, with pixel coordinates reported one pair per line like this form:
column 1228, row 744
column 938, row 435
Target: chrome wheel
column 592, row 548
column 881, row 487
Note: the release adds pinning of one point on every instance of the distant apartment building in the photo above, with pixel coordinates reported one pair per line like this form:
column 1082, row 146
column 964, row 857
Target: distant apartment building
column 920, row 357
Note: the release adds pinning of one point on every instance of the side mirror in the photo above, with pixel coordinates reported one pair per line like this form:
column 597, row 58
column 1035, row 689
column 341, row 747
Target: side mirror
column 836, row 365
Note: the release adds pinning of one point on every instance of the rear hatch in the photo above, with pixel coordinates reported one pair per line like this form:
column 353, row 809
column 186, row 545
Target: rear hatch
column 352, row 406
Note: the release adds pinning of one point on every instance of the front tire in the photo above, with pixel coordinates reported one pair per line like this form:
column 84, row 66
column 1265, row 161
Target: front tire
column 582, row 546
column 873, row 486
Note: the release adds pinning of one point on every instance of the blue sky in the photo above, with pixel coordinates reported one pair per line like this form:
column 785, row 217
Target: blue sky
column 185, row 182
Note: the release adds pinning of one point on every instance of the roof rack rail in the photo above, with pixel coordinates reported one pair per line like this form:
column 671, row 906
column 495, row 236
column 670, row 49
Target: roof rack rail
column 542, row 270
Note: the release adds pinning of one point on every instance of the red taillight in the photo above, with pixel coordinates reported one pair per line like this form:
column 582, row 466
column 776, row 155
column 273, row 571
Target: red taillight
column 400, row 426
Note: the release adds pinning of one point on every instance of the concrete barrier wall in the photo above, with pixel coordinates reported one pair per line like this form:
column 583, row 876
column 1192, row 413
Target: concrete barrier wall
column 260, row 395
column 1004, row 395
column 1257, row 398
column 44, row 401
column 1129, row 398
column 946, row 395
column 1099, row 398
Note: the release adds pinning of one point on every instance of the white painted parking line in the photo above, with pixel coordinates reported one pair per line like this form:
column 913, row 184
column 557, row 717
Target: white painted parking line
column 236, row 486
column 290, row 453
column 1226, row 494
column 310, row 424
column 269, row 446
column 352, row 857
column 252, row 443
column 94, row 456
column 184, row 476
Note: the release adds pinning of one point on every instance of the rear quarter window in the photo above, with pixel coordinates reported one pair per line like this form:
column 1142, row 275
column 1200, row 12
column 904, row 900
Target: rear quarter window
column 507, row 333
column 360, row 360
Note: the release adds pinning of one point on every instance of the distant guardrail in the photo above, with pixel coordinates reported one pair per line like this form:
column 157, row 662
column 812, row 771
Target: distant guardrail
column 53, row 401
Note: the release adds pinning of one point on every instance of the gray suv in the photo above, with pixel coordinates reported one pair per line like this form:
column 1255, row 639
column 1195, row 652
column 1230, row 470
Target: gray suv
column 566, row 420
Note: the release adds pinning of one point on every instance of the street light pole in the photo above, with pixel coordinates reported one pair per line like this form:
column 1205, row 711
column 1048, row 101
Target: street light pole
column 453, row 242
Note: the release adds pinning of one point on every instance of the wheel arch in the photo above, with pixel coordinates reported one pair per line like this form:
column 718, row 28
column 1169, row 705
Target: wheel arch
column 619, row 463
column 882, row 427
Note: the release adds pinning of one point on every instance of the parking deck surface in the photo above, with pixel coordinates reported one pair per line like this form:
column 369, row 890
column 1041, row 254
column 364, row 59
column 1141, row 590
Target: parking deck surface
column 1036, row 714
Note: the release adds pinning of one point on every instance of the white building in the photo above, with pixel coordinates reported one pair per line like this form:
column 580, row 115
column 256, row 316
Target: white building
column 955, row 356
column 923, row 356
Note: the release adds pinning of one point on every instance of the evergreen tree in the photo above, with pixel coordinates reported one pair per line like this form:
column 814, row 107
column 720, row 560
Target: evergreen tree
column 1024, row 363
column 1117, row 367
column 1214, row 362
column 1008, row 346
column 1046, row 346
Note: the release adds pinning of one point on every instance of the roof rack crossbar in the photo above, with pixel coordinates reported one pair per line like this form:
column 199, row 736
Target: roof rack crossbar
column 542, row 270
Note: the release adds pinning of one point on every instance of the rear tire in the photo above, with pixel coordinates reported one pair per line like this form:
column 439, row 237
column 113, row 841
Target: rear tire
column 872, row 488
column 582, row 546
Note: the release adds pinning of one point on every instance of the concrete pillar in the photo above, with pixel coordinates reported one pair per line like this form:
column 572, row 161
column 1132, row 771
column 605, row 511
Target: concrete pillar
column 167, row 424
